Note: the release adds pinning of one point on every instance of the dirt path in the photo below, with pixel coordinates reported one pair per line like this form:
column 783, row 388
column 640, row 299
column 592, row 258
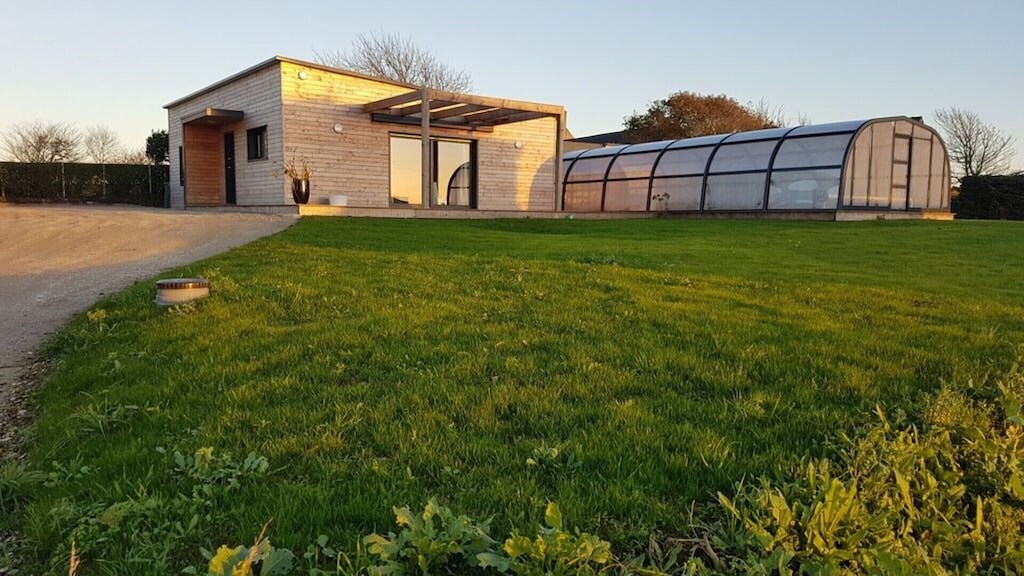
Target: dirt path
column 57, row 260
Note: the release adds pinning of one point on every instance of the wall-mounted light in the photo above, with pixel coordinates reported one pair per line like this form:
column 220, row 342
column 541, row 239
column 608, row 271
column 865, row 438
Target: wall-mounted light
column 519, row 144
column 338, row 128
column 303, row 75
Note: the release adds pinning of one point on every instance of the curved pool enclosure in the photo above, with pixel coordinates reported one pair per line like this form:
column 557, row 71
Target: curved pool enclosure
column 886, row 164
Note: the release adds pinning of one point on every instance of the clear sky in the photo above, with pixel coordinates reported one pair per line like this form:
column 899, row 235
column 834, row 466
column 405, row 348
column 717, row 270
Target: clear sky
column 117, row 63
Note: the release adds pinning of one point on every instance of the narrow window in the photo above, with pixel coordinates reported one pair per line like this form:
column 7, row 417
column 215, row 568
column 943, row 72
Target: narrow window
column 181, row 166
column 256, row 139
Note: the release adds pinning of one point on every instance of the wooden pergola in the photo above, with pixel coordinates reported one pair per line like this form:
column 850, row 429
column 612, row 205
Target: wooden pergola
column 428, row 108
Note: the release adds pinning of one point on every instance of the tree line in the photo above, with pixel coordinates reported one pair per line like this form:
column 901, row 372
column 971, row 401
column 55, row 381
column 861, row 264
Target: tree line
column 40, row 141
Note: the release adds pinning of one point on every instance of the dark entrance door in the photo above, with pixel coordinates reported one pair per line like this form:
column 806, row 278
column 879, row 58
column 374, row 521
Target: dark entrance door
column 229, row 167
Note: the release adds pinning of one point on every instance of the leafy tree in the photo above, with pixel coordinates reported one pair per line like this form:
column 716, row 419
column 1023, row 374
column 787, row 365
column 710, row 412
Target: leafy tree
column 42, row 142
column 688, row 115
column 157, row 146
column 975, row 148
column 395, row 57
column 101, row 144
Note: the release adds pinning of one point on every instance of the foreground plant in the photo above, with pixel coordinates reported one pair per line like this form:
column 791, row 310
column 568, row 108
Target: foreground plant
column 945, row 496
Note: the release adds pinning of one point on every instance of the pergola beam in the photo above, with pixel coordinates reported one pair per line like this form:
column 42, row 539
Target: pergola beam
column 460, row 110
column 517, row 117
column 418, row 108
column 393, row 101
column 416, row 121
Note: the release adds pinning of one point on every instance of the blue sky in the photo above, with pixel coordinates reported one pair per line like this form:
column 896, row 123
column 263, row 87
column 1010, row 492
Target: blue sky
column 116, row 63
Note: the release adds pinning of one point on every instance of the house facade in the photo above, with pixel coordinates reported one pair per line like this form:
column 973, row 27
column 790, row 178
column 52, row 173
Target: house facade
column 370, row 144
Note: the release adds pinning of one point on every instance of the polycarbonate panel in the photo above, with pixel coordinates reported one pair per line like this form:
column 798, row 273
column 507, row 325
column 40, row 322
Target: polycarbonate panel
column 647, row 147
column 901, row 150
column 675, row 194
column 899, row 199
column 936, row 187
column 804, row 190
column 900, row 175
column 768, row 134
column 748, row 156
column 589, row 169
column 880, row 186
column 626, row 196
column 851, row 126
column 920, row 171
column 735, row 192
column 860, row 167
column 813, row 151
column 633, row 165
column 684, row 161
column 699, row 141
column 573, row 154
column 583, row 197
column 603, row 151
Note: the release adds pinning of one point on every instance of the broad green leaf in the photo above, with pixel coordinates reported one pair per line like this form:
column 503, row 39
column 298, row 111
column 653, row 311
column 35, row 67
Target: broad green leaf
column 224, row 561
column 553, row 516
column 491, row 560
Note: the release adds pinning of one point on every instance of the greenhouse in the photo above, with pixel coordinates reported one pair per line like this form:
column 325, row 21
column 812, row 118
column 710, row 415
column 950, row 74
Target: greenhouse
column 867, row 168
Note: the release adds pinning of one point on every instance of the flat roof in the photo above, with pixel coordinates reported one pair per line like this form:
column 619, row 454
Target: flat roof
column 277, row 59
column 272, row 61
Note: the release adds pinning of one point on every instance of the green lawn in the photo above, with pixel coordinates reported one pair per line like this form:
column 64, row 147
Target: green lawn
column 379, row 362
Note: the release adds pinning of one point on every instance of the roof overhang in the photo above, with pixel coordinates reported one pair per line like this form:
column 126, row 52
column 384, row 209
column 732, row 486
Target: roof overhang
column 213, row 117
column 454, row 110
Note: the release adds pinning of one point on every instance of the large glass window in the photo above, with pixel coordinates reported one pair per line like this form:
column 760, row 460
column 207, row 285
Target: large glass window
column 589, row 169
column 626, row 195
column 583, row 197
column 453, row 182
column 735, row 192
column 673, row 194
column 804, row 190
column 810, row 152
column 633, row 165
column 684, row 161
column 406, row 160
column 745, row 156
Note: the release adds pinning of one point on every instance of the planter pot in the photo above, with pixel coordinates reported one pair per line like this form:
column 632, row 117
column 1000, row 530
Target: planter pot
column 300, row 191
column 337, row 200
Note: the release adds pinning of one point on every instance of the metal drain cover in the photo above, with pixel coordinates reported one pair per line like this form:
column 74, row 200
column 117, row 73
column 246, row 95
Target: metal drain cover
column 177, row 290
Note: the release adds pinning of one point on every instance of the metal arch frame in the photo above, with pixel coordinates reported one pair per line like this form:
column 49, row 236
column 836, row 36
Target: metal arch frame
column 607, row 171
column 771, row 167
column 707, row 170
column 568, row 171
column 654, row 168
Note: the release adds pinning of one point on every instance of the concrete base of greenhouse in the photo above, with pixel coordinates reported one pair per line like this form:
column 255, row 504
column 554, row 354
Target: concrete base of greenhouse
column 465, row 214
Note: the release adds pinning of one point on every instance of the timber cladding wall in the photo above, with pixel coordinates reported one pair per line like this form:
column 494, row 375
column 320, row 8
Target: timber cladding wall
column 356, row 161
column 258, row 182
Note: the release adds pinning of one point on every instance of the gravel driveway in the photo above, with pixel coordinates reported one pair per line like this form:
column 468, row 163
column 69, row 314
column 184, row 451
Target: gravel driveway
column 55, row 261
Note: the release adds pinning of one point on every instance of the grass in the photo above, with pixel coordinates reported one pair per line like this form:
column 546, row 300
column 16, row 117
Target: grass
column 378, row 363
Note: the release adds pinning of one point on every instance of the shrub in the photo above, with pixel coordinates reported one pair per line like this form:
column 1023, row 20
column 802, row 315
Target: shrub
column 991, row 198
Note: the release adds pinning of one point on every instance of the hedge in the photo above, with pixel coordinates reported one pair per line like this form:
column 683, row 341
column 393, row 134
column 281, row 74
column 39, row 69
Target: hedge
column 75, row 182
column 991, row 198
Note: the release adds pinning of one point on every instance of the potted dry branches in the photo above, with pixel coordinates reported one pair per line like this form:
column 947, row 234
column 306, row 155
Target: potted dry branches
column 299, row 172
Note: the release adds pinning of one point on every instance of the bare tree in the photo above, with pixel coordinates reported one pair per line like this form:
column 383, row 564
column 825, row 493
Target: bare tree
column 975, row 148
column 130, row 156
column 397, row 58
column 101, row 144
column 39, row 142
column 775, row 115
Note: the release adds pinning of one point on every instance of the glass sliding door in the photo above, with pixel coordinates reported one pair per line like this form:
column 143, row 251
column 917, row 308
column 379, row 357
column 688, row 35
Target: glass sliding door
column 453, row 174
column 406, row 176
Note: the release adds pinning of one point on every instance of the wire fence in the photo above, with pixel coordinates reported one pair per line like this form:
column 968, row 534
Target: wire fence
column 142, row 184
